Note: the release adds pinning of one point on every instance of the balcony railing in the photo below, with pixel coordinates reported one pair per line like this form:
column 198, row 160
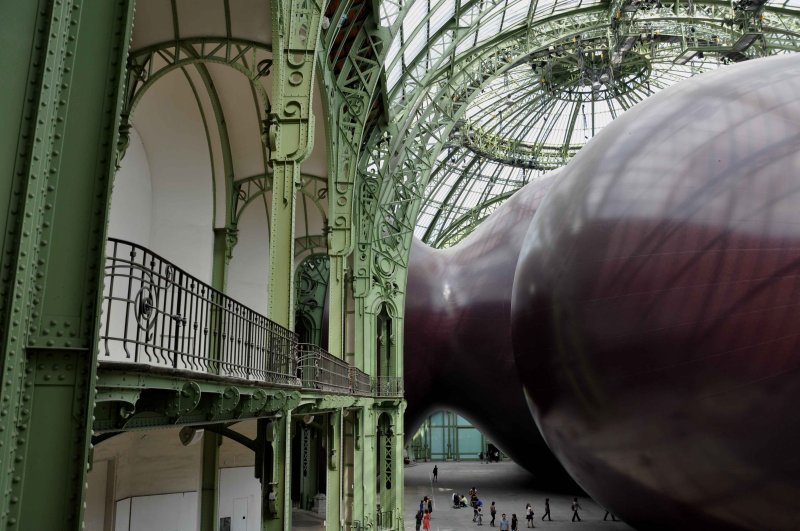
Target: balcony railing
column 388, row 386
column 360, row 382
column 319, row 369
column 156, row 313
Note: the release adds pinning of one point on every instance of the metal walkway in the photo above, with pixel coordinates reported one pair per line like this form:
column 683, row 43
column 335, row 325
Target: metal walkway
column 173, row 350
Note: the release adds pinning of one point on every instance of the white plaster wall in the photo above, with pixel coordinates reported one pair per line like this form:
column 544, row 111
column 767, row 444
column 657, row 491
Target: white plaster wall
column 242, row 118
column 248, row 271
column 157, row 478
column 234, row 455
column 172, row 132
column 151, row 462
column 122, row 515
column 130, row 218
column 239, row 484
column 94, row 516
column 130, row 214
column 155, row 473
column 165, row 512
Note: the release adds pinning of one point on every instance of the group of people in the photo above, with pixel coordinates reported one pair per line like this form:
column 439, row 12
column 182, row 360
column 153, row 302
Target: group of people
column 460, row 501
column 423, row 517
column 489, row 456
column 424, row 513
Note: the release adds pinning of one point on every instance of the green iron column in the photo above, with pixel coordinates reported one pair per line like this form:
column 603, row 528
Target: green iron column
column 398, row 468
column 290, row 134
column 364, row 501
column 60, row 99
column 273, row 469
column 333, row 479
column 208, row 481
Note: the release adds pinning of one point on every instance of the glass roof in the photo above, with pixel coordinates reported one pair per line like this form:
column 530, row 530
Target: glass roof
column 427, row 36
column 533, row 117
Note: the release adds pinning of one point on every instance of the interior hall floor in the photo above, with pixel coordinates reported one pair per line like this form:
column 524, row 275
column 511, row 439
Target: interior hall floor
column 508, row 485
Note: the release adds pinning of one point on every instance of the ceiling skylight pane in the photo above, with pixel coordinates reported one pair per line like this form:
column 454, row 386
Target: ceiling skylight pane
column 390, row 9
column 563, row 5
column 471, row 15
column 413, row 47
column 441, row 47
column 441, row 14
column 394, row 75
column 515, row 13
column 466, row 44
column 414, row 17
column 544, row 8
column 490, row 26
column 394, row 49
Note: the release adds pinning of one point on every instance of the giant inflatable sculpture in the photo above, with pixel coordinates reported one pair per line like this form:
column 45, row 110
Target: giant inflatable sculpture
column 458, row 334
column 655, row 311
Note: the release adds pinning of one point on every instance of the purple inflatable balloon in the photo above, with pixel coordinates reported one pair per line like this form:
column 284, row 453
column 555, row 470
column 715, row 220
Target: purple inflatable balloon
column 656, row 306
column 458, row 353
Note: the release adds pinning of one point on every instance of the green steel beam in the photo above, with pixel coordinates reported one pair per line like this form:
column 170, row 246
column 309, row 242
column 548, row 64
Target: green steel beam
column 209, row 474
column 290, row 135
column 61, row 107
column 350, row 95
column 141, row 396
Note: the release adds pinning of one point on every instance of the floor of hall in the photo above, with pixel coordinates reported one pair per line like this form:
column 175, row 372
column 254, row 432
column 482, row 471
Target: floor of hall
column 507, row 484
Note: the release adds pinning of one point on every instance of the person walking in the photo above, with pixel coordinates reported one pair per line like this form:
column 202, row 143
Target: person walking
column 547, row 510
column 514, row 522
column 430, row 506
column 418, row 518
column 493, row 513
column 503, row 522
column 426, row 521
column 613, row 518
column 575, row 508
column 480, row 517
column 529, row 515
column 435, row 474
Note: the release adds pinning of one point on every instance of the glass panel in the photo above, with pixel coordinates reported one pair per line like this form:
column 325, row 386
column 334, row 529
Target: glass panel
column 414, row 17
column 442, row 14
column 389, row 11
column 469, row 443
column 516, row 12
column 418, row 41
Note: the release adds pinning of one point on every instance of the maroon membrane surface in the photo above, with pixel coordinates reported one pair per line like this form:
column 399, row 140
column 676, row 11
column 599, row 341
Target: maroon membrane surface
column 458, row 352
column 656, row 306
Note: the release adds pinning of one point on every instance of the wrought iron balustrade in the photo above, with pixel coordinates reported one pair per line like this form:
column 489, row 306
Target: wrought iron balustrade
column 156, row 313
column 389, row 386
column 319, row 369
column 360, row 382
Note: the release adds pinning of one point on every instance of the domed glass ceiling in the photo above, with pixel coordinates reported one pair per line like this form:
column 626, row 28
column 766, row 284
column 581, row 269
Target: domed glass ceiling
column 536, row 115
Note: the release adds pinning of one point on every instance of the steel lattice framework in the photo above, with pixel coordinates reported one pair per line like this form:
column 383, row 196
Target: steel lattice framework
column 516, row 102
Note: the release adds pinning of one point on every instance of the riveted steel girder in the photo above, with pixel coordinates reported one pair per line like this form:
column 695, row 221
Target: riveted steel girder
column 295, row 29
column 61, row 107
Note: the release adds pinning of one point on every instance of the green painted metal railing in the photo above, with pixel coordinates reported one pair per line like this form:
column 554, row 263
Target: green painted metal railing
column 157, row 314
column 360, row 382
column 319, row 369
column 389, row 386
